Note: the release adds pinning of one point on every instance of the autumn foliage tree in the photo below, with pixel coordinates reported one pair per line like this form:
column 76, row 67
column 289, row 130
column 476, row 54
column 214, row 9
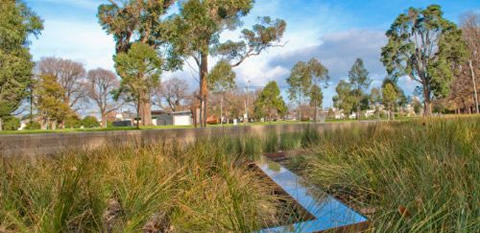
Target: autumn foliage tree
column 70, row 75
column 50, row 101
column 425, row 47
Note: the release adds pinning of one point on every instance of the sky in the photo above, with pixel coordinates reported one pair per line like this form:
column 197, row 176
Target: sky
column 336, row 32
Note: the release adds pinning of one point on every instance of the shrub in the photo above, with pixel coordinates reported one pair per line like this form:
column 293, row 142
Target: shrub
column 33, row 125
column 90, row 122
column 10, row 123
column 73, row 122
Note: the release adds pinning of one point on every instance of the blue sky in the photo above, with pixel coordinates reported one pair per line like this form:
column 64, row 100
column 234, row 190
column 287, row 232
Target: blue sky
column 336, row 32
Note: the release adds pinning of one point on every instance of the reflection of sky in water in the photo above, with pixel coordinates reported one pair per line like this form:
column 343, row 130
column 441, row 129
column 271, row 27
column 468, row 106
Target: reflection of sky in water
column 329, row 213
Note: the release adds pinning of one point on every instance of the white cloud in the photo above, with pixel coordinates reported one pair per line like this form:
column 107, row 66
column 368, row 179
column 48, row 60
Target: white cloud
column 83, row 42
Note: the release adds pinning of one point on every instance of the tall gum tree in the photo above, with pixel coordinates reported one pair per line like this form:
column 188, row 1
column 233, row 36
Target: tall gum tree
column 424, row 46
column 136, row 22
column 195, row 33
column 358, row 78
column 304, row 81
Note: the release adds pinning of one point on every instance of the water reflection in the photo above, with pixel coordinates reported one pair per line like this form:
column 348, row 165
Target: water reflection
column 329, row 213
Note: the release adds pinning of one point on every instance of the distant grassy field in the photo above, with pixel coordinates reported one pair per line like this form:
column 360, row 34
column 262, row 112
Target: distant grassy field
column 415, row 176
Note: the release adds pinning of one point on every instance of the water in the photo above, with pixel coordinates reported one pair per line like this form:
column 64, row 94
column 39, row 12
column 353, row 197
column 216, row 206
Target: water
column 329, row 212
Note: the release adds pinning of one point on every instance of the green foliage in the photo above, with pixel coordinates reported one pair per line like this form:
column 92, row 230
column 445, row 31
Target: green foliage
column 270, row 102
column 389, row 95
column 73, row 121
column 90, row 122
column 33, row 125
column 344, row 99
column 10, row 123
column 50, row 99
column 375, row 96
column 140, row 69
column 134, row 21
column 222, row 77
column 358, row 76
column 359, row 80
column 417, row 106
column 424, row 46
column 316, row 96
column 302, row 79
column 17, row 24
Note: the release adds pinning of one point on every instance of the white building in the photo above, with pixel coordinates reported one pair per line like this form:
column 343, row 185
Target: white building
column 182, row 118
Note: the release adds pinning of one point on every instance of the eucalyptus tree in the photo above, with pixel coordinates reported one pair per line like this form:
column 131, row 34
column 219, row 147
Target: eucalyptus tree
column 304, row 81
column 17, row 24
column 425, row 47
column 195, row 33
column 358, row 78
column 137, row 22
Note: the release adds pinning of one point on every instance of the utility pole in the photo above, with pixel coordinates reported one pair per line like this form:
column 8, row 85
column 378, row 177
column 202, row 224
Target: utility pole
column 474, row 85
column 246, row 105
column 221, row 111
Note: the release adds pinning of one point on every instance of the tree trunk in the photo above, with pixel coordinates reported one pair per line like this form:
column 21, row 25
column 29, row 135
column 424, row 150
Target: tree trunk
column 138, row 111
column 316, row 111
column 1, row 124
column 104, row 121
column 427, row 102
column 145, row 109
column 358, row 112
column 474, row 86
column 204, row 86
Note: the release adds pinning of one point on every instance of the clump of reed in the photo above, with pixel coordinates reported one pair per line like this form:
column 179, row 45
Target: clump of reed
column 202, row 187
column 415, row 176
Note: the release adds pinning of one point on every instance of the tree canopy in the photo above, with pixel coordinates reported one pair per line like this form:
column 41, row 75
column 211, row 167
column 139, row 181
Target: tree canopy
column 195, row 33
column 17, row 24
column 269, row 102
column 424, row 46
column 359, row 80
column 140, row 68
column 222, row 77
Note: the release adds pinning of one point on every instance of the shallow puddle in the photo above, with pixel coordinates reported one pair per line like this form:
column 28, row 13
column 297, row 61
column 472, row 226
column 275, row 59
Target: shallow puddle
column 328, row 212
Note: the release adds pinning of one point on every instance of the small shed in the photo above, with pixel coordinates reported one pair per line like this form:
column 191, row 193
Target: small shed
column 181, row 118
